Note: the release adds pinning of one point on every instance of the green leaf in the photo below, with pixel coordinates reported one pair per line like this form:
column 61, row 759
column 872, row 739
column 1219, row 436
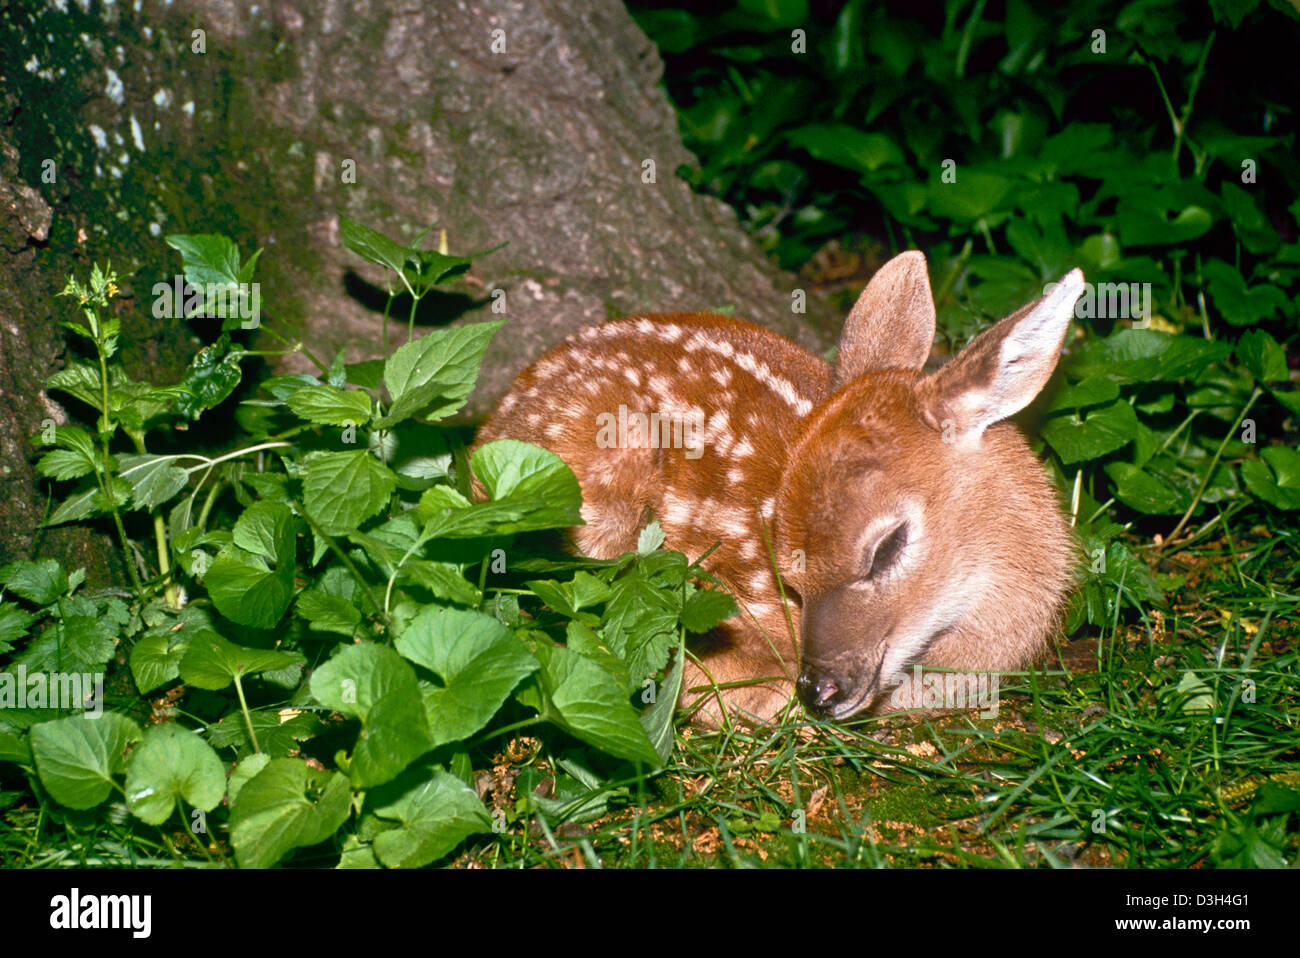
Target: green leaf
column 278, row 731
column 211, row 377
column 329, row 613
column 286, row 806
column 1260, row 353
column 65, row 464
column 641, row 616
column 846, row 146
column 1146, row 221
column 1256, row 232
column 1143, row 491
column 211, row 662
column 88, row 501
column 1236, row 302
column 40, row 581
column 208, row 258
column 156, row 656
column 14, row 623
column 1103, row 431
column 374, row 683
column 373, row 246
column 251, row 579
column 518, row 473
column 153, row 479
column 77, row 757
column 170, row 763
column 1145, row 355
column 1090, row 392
column 331, row 407
column 14, row 749
column 704, row 609
column 972, row 196
column 479, row 661
column 435, row 816
column 657, row 720
column 343, row 489
column 82, row 638
column 244, row 773
column 582, row 698
column 650, row 539
column 434, row 375
column 1279, row 487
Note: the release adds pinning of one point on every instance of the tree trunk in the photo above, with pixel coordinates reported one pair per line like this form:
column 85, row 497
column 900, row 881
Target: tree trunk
column 535, row 123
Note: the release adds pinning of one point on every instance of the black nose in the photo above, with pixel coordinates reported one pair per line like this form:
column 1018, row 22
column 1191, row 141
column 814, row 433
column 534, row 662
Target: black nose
column 819, row 691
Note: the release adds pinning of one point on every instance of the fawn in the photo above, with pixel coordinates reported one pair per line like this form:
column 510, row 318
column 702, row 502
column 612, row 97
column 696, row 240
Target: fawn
column 909, row 524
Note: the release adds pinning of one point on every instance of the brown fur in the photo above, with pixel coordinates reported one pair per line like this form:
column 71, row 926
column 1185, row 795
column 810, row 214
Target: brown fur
column 977, row 535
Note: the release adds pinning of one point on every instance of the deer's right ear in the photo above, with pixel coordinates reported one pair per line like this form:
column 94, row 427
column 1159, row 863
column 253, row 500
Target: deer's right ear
column 892, row 324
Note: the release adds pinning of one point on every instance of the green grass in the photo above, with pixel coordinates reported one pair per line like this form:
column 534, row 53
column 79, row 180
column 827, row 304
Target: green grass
column 1151, row 757
column 1146, row 752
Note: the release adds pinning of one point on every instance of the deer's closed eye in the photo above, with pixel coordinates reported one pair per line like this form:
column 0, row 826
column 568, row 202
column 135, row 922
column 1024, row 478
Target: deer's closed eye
column 886, row 551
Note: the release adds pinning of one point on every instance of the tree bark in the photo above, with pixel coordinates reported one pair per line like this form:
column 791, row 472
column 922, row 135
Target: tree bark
column 535, row 123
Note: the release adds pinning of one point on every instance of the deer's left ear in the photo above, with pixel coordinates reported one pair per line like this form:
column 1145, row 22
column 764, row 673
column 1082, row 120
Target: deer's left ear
column 892, row 324
column 1004, row 368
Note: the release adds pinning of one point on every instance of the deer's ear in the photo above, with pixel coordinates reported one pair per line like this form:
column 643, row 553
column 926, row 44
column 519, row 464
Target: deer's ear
column 1004, row 368
column 892, row 324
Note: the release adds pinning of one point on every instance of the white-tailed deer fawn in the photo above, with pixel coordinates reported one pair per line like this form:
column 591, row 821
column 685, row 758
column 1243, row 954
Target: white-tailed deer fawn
column 909, row 523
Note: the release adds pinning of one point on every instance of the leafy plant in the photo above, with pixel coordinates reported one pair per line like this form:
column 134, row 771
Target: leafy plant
column 1012, row 142
column 344, row 621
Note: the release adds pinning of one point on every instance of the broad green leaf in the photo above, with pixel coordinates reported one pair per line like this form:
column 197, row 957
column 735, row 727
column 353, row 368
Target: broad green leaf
column 374, row 683
column 1104, row 430
column 479, row 660
column 14, row 749
column 77, row 757
column 343, row 489
column 1145, row 355
column 330, row 406
column 251, row 579
column 82, row 639
column 172, row 762
column 65, row 464
column 88, row 501
column 211, row 377
column 1143, row 491
column 642, row 614
column 1148, row 222
column 974, row 194
column 434, row 375
column 846, row 146
column 244, row 773
column 578, row 695
column 14, row 623
column 521, row 473
column 434, row 818
column 329, row 613
column 208, row 258
column 211, row 662
column 279, row 731
column 1261, row 354
column 40, row 581
column 156, row 656
column 153, row 479
column 286, row 806
column 372, row 245
column 1090, row 392
column 704, row 609
column 1236, row 302
column 1279, row 487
